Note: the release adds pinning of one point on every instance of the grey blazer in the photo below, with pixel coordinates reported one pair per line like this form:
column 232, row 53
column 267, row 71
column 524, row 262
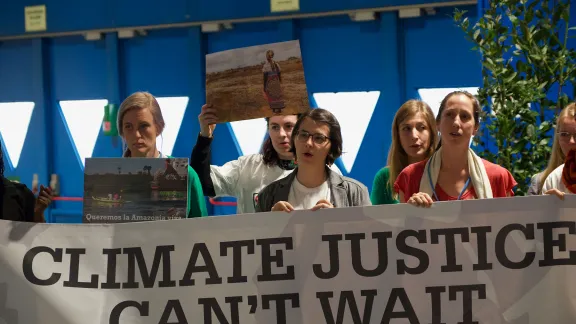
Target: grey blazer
column 344, row 192
column 535, row 184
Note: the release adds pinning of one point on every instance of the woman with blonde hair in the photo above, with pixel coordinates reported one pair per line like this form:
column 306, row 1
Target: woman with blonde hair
column 560, row 148
column 562, row 178
column 140, row 122
column 414, row 137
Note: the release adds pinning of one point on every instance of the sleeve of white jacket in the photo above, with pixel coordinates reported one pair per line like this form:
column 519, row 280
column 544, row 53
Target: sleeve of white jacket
column 225, row 178
column 553, row 180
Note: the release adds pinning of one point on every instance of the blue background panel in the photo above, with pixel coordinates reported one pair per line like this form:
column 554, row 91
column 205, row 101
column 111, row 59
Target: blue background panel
column 391, row 55
column 16, row 72
column 70, row 15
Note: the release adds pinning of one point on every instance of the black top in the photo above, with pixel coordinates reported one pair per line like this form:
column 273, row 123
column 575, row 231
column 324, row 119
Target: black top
column 17, row 203
column 200, row 162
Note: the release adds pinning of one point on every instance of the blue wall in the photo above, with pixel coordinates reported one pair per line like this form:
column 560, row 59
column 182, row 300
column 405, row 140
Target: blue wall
column 69, row 15
column 391, row 55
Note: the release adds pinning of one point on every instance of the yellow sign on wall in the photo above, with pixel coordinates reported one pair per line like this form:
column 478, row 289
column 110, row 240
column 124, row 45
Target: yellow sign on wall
column 35, row 18
column 284, row 5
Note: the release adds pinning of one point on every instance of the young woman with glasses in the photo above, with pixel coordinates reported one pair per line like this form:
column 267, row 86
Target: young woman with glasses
column 316, row 144
column 245, row 177
column 562, row 144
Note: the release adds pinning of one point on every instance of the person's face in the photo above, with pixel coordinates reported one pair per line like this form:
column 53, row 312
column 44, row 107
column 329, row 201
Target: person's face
column 312, row 143
column 269, row 56
column 414, row 136
column 457, row 124
column 567, row 134
column 280, row 131
column 140, row 132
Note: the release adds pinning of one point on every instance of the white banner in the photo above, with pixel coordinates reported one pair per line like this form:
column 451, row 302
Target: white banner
column 485, row 261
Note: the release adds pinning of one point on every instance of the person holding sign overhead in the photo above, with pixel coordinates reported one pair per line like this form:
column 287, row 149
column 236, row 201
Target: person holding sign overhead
column 316, row 143
column 245, row 177
column 140, row 122
column 454, row 171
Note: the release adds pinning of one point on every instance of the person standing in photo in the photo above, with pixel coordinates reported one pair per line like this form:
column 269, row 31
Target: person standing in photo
column 273, row 83
column 414, row 138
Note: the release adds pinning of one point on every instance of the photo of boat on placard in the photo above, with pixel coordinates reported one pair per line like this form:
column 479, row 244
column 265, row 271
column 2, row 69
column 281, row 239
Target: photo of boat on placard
column 137, row 189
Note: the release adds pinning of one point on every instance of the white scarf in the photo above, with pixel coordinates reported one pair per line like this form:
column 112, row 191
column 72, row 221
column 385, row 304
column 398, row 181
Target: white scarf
column 478, row 177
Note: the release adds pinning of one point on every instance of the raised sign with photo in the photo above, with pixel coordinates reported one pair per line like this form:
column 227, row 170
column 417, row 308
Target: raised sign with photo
column 256, row 82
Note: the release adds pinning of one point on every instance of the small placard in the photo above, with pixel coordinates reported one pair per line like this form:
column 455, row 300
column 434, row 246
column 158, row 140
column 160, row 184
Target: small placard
column 35, row 18
column 284, row 5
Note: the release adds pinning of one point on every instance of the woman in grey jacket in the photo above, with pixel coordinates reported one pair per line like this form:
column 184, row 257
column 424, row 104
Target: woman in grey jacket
column 316, row 143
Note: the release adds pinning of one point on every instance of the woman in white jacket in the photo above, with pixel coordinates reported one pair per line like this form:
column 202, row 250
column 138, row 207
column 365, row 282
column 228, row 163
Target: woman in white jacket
column 245, row 177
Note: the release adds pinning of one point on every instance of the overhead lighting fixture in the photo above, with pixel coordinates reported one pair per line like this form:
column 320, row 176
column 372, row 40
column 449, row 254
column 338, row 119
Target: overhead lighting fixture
column 93, row 36
column 211, row 28
column 363, row 16
column 126, row 33
column 410, row 13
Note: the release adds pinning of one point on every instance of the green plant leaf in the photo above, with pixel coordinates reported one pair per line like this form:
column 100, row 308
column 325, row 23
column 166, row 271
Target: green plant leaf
column 526, row 70
column 476, row 34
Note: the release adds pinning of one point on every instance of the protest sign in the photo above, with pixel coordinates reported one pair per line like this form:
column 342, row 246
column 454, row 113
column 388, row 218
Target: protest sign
column 257, row 81
column 485, row 261
column 119, row 190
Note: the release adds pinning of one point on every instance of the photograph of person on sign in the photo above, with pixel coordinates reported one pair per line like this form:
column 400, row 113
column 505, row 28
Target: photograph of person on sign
column 256, row 82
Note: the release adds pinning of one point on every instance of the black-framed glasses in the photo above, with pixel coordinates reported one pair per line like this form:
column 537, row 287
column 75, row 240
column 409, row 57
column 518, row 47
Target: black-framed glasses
column 319, row 139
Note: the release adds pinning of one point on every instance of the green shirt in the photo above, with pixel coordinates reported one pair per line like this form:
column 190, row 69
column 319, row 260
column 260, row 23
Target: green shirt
column 196, row 201
column 381, row 190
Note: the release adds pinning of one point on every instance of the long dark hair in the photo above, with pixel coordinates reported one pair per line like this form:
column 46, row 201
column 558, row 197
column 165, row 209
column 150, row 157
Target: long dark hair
column 269, row 154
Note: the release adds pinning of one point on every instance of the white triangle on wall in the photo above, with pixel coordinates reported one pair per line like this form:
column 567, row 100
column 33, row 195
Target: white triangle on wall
column 84, row 120
column 249, row 135
column 173, row 109
column 353, row 111
column 15, row 127
column 434, row 96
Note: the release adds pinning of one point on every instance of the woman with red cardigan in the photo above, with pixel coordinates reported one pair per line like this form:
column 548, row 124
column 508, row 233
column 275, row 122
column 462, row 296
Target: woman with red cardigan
column 454, row 171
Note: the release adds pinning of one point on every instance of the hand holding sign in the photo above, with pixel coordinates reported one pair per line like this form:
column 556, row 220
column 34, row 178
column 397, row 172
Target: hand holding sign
column 283, row 206
column 556, row 193
column 421, row 199
column 43, row 200
column 208, row 120
column 322, row 203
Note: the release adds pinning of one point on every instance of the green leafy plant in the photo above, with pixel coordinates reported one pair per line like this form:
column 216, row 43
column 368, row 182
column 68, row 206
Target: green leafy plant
column 526, row 67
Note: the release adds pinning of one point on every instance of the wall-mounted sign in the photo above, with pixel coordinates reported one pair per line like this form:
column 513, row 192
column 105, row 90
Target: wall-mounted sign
column 35, row 18
column 284, row 5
